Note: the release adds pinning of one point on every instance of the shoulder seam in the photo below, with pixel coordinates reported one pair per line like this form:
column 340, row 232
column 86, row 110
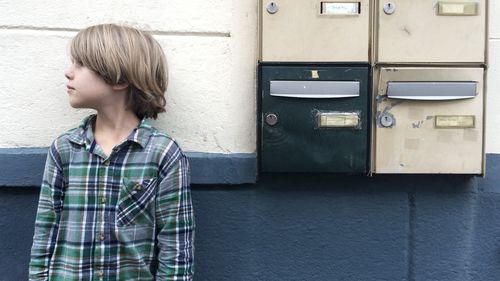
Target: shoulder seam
column 56, row 158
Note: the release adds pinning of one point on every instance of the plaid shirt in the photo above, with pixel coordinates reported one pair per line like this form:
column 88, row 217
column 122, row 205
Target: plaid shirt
column 126, row 216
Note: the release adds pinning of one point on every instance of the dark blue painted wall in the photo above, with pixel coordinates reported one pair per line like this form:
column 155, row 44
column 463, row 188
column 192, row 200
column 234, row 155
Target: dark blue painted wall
column 321, row 227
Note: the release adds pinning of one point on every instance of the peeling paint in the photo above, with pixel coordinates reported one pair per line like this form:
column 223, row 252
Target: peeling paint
column 394, row 103
column 380, row 98
column 417, row 125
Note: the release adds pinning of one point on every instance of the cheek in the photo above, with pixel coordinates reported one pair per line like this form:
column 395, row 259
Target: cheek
column 91, row 85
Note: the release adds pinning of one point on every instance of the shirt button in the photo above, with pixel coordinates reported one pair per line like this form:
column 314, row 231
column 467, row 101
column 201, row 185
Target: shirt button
column 138, row 186
column 103, row 200
column 106, row 163
column 100, row 273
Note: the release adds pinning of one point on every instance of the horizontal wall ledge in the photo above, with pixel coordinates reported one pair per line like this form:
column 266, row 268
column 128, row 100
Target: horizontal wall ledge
column 20, row 29
column 196, row 15
column 24, row 167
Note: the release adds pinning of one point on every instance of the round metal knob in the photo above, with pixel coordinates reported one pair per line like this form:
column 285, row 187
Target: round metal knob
column 271, row 119
column 272, row 7
column 389, row 8
column 387, row 120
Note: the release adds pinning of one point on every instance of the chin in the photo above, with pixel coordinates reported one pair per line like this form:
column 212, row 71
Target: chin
column 76, row 104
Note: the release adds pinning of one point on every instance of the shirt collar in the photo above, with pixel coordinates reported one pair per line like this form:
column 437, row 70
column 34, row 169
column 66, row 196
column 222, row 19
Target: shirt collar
column 83, row 133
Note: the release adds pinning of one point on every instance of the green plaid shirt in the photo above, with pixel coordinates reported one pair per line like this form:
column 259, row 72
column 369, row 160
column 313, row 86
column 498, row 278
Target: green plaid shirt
column 126, row 216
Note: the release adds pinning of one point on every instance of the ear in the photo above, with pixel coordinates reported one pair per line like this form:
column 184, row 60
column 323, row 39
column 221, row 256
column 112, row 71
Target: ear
column 120, row 86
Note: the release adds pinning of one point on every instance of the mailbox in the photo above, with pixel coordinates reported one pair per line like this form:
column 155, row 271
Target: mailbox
column 314, row 118
column 429, row 86
column 384, row 86
column 430, row 31
column 314, row 86
column 429, row 120
column 314, row 31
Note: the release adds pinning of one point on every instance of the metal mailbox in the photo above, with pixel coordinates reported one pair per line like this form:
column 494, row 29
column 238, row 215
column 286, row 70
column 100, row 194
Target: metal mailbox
column 314, row 31
column 428, row 31
column 429, row 120
column 384, row 86
column 314, row 118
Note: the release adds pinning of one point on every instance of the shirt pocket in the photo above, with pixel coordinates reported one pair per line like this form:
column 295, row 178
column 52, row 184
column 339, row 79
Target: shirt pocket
column 136, row 202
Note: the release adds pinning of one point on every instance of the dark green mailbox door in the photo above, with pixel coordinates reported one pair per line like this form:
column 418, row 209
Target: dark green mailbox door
column 314, row 118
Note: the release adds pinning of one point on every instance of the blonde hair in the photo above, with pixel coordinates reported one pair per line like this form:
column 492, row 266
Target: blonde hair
column 122, row 53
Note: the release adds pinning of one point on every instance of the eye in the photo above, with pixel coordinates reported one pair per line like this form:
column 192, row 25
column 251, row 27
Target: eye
column 77, row 62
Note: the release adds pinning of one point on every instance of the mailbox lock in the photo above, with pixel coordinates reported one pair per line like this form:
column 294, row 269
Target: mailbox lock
column 271, row 119
column 386, row 120
column 389, row 8
column 272, row 7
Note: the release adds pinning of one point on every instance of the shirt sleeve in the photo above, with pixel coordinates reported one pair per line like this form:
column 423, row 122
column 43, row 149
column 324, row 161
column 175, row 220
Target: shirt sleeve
column 47, row 216
column 176, row 224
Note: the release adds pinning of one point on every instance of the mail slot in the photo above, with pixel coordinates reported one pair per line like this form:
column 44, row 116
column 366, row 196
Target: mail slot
column 314, row 118
column 429, row 120
column 429, row 31
column 314, row 31
column 315, row 89
column 443, row 90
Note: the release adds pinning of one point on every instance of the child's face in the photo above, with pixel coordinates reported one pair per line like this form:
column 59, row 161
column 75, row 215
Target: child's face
column 86, row 89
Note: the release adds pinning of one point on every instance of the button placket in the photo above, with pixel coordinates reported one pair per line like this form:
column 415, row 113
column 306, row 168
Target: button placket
column 100, row 236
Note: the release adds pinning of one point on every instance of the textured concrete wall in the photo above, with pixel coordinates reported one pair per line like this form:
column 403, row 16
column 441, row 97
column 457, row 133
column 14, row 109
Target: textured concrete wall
column 321, row 227
column 211, row 47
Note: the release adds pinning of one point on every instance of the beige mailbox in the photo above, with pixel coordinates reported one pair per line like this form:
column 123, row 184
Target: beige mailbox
column 429, row 120
column 314, row 31
column 430, row 31
column 429, row 74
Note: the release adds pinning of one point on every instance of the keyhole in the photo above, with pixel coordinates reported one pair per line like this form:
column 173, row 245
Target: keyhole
column 387, row 120
column 389, row 8
column 272, row 8
column 271, row 119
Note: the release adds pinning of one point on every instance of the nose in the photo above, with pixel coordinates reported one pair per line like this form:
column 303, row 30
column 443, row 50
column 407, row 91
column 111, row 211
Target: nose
column 68, row 73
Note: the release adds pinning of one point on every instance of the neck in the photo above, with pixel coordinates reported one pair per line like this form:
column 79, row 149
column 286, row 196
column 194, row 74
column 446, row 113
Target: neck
column 115, row 125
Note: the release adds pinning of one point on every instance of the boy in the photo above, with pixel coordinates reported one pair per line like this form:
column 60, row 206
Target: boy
column 115, row 200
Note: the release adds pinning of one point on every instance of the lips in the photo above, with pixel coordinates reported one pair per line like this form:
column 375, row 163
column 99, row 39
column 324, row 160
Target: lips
column 69, row 87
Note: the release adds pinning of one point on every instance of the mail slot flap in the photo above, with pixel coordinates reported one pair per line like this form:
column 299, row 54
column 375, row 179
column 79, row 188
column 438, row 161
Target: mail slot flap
column 315, row 89
column 431, row 90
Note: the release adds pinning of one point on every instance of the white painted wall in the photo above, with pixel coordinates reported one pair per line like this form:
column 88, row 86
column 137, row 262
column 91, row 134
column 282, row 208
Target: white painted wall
column 211, row 49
